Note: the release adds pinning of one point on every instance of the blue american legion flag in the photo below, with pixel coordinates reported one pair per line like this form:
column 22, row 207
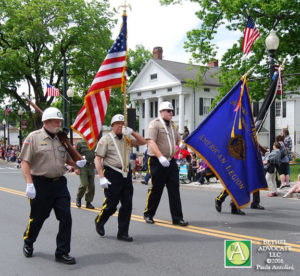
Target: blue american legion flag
column 250, row 35
column 227, row 141
column 52, row 91
column 112, row 74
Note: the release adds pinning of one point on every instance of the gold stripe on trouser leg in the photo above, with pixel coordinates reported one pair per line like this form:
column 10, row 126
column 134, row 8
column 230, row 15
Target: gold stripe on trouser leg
column 101, row 212
column 219, row 197
column 27, row 231
column 150, row 189
column 28, row 226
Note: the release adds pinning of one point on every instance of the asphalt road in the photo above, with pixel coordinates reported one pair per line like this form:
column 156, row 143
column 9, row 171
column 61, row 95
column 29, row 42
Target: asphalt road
column 159, row 249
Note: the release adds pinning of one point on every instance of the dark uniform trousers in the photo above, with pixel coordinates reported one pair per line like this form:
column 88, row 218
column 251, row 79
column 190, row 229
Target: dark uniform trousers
column 120, row 190
column 161, row 176
column 50, row 194
column 256, row 197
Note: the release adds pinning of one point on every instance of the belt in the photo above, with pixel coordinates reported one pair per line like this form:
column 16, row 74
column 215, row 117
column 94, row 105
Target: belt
column 90, row 163
column 47, row 178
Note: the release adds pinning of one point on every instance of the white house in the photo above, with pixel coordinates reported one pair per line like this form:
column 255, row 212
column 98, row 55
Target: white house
column 163, row 80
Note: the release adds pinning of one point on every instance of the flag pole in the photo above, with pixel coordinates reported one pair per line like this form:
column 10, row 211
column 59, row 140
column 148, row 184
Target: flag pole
column 124, row 90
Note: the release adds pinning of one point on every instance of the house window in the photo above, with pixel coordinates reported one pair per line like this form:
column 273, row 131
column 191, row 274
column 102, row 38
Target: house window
column 206, row 89
column 143, row 133
column 169, row 89
column 143, row 110
column 174, row 106
column 255, row 108
column 298, row 137
column 153, row 76
column 153, row 92
column 156, row 108
column 278, row 109
column 139, row 93
column 204, row 105
column 177, row 106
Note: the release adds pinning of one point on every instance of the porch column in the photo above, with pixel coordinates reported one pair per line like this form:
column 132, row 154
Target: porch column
column 181, row 113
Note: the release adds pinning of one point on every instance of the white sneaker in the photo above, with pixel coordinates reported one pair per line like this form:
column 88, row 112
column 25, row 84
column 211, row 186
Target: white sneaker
column 287, row 195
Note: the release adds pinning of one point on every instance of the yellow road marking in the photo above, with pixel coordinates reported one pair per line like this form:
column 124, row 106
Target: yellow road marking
column 189, row 228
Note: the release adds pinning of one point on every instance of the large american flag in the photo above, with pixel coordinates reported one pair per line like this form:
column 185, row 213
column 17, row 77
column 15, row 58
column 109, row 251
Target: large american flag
column 250, row 35
column 112, row 74
column 52, row 91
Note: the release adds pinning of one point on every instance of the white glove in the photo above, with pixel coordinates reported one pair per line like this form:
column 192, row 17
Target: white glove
column 81, row 163
column 182, row 145
column 104, row 182
column 30, row 191
column 164, row 161
column 127, row 131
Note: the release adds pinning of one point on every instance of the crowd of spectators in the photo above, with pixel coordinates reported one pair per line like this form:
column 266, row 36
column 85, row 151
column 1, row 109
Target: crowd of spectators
column 11, row 154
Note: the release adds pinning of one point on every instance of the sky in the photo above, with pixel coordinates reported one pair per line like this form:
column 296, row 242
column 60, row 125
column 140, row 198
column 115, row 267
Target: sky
column 151, row 25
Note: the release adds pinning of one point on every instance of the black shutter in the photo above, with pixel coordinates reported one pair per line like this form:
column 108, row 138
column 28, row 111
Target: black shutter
column 151, row 110
column 200, row 106
column 143, row 110
column 255, row 109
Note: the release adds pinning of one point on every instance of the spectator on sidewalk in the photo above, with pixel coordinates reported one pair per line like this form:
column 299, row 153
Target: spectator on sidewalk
column 272, row 163
column 294, row 189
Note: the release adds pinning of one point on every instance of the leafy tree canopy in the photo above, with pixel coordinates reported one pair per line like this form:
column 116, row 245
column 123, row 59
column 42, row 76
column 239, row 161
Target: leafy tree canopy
column 280, row 15
column 36, row 35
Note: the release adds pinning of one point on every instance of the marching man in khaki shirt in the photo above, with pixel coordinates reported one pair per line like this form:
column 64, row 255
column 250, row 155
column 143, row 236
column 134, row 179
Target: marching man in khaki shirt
column 116, row 179
column 43, row 160
column 162, row 137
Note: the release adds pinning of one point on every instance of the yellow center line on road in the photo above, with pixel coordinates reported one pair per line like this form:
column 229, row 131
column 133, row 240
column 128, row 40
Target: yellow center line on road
column 189, row 228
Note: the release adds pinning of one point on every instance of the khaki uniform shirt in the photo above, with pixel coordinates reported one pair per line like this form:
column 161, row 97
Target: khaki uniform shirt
column 158, row 134
column 106, row 149
column 46, row 156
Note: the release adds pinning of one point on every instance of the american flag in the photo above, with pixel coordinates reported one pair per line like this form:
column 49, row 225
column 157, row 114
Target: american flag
column 250, row 35
column 52, row 91
column 112, row 74
column 7, row 110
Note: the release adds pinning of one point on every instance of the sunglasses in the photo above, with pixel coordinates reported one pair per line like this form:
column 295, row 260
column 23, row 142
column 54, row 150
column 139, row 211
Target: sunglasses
column 169, row 110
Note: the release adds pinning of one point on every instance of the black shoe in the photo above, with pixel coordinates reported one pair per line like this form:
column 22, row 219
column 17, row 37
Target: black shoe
column 99, row 228
column 78, row 202
column 258, row 207
column 124, row 238
column 218, row 205
column 180, row 222
column 27, row 250
column 65, row 259
column 89, row 205
column 237, row 212
column 149, row 220
column 144, row 182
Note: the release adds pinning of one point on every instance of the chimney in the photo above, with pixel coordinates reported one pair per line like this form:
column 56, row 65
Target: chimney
column 213, row 63
column 157, row 52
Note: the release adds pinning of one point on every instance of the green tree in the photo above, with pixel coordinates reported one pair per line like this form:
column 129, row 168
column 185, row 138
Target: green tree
column 136, row 61
column 36, row 35
column 280, row 15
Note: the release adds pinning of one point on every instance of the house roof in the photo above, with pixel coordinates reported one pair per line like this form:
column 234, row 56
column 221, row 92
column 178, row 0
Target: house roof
column 183, row 71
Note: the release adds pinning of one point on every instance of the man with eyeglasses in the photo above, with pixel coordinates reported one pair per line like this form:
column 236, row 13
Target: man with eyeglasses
column 162, row 137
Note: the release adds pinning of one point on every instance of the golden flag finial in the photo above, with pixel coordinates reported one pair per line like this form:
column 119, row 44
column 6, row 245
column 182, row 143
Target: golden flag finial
column 125, row 5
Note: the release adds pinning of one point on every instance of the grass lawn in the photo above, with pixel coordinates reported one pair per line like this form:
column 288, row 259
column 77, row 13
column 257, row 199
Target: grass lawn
column 295, row 170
